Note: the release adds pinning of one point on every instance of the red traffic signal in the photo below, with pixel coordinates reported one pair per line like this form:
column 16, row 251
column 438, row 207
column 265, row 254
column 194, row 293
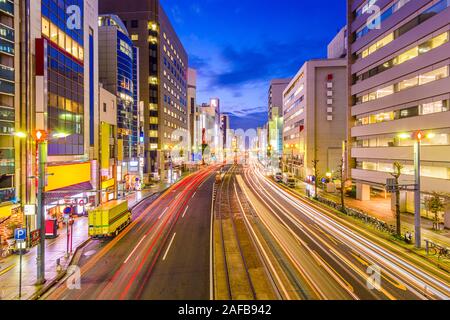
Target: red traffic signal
column 40, row 135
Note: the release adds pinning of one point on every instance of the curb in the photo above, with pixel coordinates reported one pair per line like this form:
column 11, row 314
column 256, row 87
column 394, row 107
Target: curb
column 61, row 275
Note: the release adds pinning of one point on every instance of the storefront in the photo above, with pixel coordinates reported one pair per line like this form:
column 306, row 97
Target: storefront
column 68, row 185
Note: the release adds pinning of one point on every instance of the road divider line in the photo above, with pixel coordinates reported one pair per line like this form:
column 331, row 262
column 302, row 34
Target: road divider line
column 168, row 248
column 165, row 210
column 194, row 194
column 134, row 250
column 185, row 210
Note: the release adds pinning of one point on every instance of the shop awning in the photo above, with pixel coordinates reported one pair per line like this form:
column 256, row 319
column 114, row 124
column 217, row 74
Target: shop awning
column 67, row 192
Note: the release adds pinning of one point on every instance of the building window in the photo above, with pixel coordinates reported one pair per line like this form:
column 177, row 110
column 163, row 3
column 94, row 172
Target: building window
column 134, row 23
column 104, row 107
column 134, row 37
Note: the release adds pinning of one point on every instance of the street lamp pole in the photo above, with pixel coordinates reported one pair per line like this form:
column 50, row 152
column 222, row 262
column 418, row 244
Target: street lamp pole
column 42, row 151
column 417, row 230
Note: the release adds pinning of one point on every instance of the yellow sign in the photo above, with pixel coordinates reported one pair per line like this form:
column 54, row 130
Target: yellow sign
column 68, row 175
column 8, row 210
column 108, row 184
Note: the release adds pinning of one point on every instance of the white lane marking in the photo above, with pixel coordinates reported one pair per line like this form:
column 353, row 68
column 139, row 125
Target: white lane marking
column 165, row 210
column 194, row 194
column 168, row 248
column 134, row 250
column 185, row 210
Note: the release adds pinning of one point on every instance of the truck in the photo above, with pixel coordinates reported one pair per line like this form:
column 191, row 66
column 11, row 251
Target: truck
column 289, row 180
column 109, row 219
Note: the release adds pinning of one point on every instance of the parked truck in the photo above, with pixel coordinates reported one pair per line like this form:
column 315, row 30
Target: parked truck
column 109, row 219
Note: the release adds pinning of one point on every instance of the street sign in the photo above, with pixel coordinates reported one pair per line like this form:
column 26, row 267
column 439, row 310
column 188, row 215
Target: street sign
column 20, row 234
column 35, row 237
column 29, row 209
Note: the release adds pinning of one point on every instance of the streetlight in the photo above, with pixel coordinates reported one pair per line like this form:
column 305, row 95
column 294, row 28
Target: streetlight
column 417, row 136
column 41, row 137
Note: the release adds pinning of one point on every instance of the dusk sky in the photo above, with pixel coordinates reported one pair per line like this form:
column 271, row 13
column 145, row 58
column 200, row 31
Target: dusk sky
column 237, row 47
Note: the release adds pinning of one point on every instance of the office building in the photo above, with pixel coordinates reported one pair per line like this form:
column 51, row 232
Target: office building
column 117, row 73
column 163, row 82
column 63, row 89
column 11, row 184
column 275, row 129
column 399, row 84
column 314, row 112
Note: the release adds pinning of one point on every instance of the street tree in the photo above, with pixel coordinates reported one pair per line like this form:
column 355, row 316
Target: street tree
column 435, row 204
column 315, row 164
column 341, row 176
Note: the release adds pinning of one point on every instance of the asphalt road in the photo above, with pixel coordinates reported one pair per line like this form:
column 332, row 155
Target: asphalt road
column 335, row 259
column 131, row 266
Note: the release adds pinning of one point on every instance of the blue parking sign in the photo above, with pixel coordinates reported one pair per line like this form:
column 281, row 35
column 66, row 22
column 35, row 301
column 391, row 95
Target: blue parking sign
column 20, row 234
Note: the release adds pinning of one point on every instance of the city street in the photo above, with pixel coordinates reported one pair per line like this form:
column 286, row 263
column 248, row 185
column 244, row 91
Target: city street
column 338, row 259
column 129, row 266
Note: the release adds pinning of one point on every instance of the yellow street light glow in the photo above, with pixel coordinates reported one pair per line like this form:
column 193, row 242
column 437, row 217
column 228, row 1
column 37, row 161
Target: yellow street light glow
column 60, row 135
column 431, row 135
column 328, row 174
column 21, row 134
column 404, row 136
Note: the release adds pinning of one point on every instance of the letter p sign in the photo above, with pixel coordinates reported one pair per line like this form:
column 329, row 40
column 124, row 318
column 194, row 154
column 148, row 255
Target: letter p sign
column 74, row 19
column 20, row 234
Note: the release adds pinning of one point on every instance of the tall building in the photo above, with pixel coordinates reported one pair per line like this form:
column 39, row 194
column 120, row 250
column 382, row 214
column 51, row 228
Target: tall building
column 11, row 116
column 399, row 84
column 275, row 103
column 210, row 124
column 163, row 81
column 106, row 137
column 225, row 127
column 195, row 132
column 63, row 88
column 314, row 105
column 117, row 73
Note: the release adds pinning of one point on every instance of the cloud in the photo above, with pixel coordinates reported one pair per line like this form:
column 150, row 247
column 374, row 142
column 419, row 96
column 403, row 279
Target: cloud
column 177, row 14
column 250, row 121
column 250, row 66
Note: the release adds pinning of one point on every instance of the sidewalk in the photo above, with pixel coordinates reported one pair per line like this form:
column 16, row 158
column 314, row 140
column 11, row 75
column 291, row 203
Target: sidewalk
column 54, row 249
column 380, row 208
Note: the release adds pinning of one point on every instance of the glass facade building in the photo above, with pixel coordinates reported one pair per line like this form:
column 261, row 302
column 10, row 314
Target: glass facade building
column 65, row 56
column 119, row 75
column 7, row 105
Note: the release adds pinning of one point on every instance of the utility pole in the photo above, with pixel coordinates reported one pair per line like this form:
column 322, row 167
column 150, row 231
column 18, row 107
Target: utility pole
column 42, row 151
column 417, row 231
column 396, row 174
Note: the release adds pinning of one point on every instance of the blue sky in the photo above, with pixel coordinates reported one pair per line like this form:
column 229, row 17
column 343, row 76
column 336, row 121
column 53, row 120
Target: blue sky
column 238, row 46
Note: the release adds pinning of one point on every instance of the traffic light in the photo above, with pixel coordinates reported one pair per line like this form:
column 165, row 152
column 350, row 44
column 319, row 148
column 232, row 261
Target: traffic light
column 40, row 135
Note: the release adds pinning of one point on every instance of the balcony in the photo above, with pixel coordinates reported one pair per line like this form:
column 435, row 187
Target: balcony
column 7, row 7
column 429, row 153
column 6, row 73
column 6, row 33
column 7, row 87
column 6, row 46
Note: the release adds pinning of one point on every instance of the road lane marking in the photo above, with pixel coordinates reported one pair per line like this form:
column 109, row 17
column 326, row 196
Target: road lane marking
column 134, row 250
column 2, row 272
column 178, row 195
column 168, row 248
column 165, row 210
column 185, row 210
column 194, row 194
